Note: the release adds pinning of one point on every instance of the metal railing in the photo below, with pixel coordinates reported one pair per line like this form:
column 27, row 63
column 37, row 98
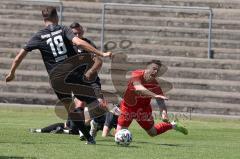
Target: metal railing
column 208, row 9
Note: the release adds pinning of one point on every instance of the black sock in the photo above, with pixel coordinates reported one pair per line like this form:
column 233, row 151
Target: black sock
column 83, row 129
column 80, row 123
column 52, row 127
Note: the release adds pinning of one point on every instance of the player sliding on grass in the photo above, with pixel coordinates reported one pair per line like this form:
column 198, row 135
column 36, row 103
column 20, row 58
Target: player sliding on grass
column 55, row 44
column 142, row 87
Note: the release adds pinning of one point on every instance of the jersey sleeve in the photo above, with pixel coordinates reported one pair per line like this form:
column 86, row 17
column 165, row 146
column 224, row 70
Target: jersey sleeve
column 92, row 44
column 136, row 76
column 69, row 34
column 32, row 44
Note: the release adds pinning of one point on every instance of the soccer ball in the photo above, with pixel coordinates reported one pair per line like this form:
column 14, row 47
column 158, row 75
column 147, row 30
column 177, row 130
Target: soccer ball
column 123, row 137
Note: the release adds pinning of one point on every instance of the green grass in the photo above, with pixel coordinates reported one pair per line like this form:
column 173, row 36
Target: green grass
column 207, row 139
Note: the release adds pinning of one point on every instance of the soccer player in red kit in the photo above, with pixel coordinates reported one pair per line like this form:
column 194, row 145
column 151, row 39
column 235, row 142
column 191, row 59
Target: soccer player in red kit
column 142, row 87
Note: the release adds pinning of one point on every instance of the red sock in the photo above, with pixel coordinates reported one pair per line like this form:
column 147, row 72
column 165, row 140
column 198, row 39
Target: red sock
column 163, row 127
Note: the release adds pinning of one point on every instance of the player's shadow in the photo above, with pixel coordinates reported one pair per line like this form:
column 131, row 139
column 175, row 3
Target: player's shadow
column 140, row 142
column 159, row 144
column 111, row 141
column 31, row 143
column 16, row 157
column 130, row 146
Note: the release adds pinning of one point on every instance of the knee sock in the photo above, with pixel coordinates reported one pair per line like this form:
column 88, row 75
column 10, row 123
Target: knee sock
column 52, row 127
column 163, row 127
column 80, row 124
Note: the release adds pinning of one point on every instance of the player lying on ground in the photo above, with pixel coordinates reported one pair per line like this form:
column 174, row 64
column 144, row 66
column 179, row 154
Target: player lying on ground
column 55, row 44
column 105, row 122
column 57, row 128
column 61, row 128
column 142, row 87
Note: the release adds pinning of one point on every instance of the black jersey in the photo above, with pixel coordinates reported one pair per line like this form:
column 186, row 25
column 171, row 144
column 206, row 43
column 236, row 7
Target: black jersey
column 82, row 51
column 54, row 43
column 79, row 72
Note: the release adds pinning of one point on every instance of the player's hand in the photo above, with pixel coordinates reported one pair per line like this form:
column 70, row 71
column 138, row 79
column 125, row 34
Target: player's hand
column 107, row 54
column 89, row 74
column 161, row 97
column 102, row 103
column 9, row 77
column 165, row 117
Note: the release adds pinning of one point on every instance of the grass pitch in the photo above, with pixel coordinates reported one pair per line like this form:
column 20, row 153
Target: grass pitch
column 208, row 139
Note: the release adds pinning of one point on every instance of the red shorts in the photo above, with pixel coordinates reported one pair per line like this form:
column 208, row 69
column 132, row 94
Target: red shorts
column 143, row 116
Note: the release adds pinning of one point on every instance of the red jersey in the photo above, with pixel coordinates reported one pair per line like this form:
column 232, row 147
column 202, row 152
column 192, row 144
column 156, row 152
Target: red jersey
column 132, row 99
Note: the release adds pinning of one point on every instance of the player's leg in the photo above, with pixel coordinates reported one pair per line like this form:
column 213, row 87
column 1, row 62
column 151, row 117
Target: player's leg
column 97, row 124
column 71, row 128
column 125, row 118
column 146, row 121
column 163, row 109
column 159, row 128
column 97, row 114
column 76, row 115
column 94, row 108
column 54, row 128
column 106, row 132
column 80, row 105
column 162, row 127
column 95, row 103
column 110, row 122
column 82, row 137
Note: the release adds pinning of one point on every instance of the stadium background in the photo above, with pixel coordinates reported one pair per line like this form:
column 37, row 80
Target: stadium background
column 178, row 38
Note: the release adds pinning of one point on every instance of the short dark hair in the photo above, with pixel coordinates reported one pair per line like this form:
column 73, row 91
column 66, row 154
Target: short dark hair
column 157, row 62
column 75, row 25
column 49, row 13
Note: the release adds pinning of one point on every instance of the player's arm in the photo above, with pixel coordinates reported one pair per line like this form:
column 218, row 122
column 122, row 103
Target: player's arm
column 163, row 109
column 16, row 62
column 95, row 67
column 106, row 131
column 139, row 88
column 108, row 124
column 86, row 46
column 97, row 64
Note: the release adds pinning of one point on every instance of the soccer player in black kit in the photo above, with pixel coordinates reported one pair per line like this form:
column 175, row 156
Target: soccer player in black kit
column 96, row 62
column 88, row 73
column 55, row 43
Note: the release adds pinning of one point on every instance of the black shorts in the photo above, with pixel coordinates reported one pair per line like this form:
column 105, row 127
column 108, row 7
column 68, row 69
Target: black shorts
column 77, row 77
column 75, row 83
column 63, row 96
column 87, row 92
